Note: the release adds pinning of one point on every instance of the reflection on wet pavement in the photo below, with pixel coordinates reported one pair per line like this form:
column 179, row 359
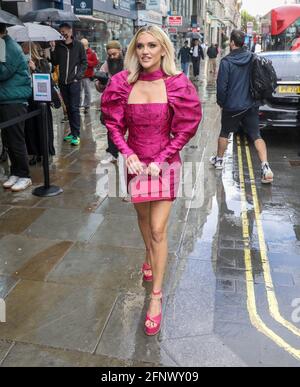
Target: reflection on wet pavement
column 70, row 265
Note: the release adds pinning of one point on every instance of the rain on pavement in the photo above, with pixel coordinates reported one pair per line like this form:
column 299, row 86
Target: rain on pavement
column 70, row 265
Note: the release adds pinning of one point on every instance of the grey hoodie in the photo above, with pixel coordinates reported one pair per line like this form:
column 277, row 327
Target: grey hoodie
column 233, row 85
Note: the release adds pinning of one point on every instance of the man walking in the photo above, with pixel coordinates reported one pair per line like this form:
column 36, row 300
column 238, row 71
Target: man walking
column 212, row 54
column 92, row 62
column 15, row 90
column 70, row 56
column 239, row 107
column 113, row 65
column 185, row 56
column 197, row 53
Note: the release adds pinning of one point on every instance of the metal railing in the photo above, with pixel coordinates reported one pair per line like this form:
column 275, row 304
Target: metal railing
column 47, row 189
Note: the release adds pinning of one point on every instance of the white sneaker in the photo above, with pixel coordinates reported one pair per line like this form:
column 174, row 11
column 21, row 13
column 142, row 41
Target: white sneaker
column 109, row 158
column 21, row 184
column 267, row 176
column 11, row 181
column 217, row 162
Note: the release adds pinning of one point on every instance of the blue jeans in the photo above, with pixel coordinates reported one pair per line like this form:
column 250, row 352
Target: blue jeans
column 185, row 68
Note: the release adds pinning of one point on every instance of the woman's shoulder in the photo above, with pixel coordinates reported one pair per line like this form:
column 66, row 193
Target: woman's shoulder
column 178, row 82
column 120, row 77
column 118, row 87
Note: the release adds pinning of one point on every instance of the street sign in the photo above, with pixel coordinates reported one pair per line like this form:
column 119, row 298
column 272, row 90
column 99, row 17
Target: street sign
column 172, row 30
column 175, row 21
column 83, row 7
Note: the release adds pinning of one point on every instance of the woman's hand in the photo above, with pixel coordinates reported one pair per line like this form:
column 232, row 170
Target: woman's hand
column 32, row 65
column 134, row 165
column 153, row 170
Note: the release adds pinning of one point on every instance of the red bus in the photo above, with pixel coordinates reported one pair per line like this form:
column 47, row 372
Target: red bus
column 281, row 29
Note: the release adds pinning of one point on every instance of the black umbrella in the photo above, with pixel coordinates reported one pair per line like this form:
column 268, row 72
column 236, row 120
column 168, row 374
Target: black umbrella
column 50, row 15
column 9, row 19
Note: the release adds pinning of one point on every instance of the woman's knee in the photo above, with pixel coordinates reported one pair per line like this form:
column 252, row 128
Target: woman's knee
column 158, row 234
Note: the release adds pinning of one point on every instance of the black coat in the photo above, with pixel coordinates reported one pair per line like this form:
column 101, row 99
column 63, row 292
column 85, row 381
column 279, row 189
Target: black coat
column 71, row 60
column 212, row 52
column 33, row 134
column 200, row 52
column 185, row 55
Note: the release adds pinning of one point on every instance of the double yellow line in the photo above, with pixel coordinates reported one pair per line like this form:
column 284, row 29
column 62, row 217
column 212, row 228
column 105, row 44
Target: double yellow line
column 256, row 320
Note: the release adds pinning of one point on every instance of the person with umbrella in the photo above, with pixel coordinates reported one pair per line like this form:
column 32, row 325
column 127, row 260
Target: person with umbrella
column 15, row 90
column 70, row 56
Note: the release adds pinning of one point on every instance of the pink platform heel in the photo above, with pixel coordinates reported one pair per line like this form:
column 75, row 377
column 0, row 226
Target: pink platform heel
column 152, row 331
column 147, row 277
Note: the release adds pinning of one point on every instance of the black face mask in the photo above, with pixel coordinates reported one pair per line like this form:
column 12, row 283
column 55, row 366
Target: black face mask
column 115, row 65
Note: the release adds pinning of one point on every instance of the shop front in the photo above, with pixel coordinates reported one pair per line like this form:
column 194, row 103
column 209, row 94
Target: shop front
column 111, row 20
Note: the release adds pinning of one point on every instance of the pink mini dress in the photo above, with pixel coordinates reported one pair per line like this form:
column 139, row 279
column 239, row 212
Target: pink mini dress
column 156, row 131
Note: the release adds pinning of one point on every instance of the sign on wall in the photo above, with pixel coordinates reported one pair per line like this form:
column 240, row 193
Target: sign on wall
column 42, row 87
column 175, row 21
column 83, row 7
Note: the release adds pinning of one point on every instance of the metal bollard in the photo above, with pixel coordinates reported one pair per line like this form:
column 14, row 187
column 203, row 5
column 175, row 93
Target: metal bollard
column 46, row 190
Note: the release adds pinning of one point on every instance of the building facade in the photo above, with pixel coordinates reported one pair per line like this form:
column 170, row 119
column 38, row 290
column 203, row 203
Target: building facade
column 222, row 17
column 119, row 19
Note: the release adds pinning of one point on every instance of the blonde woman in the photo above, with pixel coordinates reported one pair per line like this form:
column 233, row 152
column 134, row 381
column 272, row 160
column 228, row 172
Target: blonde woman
column 161, row 110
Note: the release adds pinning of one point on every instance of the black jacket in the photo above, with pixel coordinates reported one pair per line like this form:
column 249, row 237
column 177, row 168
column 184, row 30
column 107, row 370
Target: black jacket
column 185, row 55
column 212, row 52
column 71, row 60
column 233, row 85
column 200, row 52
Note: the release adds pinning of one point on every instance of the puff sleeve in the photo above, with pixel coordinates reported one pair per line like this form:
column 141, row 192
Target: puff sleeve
column 187, row 114
column 113, row 104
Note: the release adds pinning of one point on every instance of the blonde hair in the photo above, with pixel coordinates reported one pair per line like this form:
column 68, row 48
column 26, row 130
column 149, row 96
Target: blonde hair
column 168, row 61
column 35, row 52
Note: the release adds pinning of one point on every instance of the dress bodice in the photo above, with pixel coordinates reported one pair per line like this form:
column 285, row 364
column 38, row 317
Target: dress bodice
column 156, row 131
column 148, row 128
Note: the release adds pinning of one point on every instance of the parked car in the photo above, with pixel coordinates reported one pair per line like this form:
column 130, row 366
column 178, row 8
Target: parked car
column 283, row 108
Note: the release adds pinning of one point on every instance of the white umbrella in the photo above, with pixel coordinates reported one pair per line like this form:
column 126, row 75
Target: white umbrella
column 32, row 32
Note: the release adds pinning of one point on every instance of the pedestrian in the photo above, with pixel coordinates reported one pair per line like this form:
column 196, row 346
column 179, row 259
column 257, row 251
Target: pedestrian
column 92, row 61
column 15, row 90
column 33, row 135
column 70, row 56
column 142, row 100
column 112, row 66
column 185, row 56
column 204, row 47
column 196, row 53
column 239, row 109
column 212, row 54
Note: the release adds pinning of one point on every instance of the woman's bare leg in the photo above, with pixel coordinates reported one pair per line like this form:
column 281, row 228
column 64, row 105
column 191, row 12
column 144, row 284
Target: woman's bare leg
column 143, row 214
column 159, row 216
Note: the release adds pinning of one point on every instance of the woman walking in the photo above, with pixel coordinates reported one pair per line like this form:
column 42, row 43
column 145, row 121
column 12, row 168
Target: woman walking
column 161, row 110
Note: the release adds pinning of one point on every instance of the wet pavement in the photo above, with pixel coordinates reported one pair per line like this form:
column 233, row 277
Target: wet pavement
column 70, row 265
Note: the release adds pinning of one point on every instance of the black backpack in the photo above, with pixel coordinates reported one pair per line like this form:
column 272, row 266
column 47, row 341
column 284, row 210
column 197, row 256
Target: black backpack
column 263, row 81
